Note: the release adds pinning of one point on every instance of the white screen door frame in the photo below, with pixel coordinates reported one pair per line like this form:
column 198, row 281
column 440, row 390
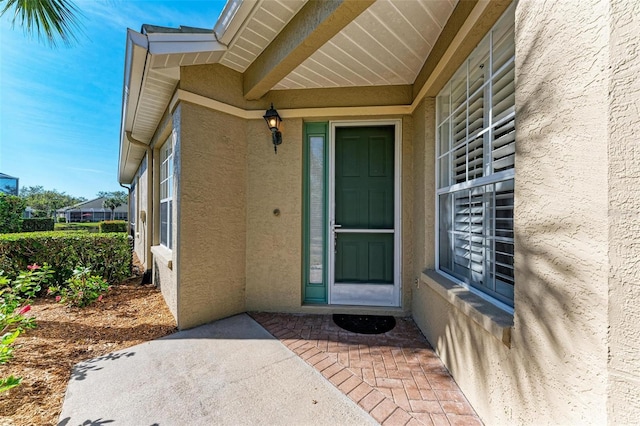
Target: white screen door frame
column 366, row 294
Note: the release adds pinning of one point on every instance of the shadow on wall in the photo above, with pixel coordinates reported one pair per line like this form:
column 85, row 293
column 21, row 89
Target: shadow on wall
column 557, row 358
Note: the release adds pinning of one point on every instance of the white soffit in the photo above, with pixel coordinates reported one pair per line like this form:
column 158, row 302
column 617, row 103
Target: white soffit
column 386, row 45
column 264, row 23
column 167, row 53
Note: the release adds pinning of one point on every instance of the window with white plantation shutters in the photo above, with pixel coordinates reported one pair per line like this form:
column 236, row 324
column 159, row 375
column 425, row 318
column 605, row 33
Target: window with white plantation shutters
column 475, row 166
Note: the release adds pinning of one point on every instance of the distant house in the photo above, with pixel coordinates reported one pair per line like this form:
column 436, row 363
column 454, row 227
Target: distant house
column 8, row 184
column 93, row 211
column 28, row 213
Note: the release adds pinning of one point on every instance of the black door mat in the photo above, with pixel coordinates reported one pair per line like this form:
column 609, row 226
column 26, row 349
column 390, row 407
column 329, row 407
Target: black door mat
column 365, row 324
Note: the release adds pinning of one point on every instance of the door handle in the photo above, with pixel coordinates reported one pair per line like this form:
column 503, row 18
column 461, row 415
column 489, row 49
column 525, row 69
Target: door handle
column 335, row 226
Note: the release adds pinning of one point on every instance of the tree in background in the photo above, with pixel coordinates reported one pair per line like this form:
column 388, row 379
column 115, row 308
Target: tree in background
column 113, row 200
column 47, row 19
column 11, row 209
column 45, row 202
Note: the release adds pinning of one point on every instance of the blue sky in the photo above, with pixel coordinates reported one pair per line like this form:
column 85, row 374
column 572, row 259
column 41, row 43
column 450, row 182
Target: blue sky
column 60, row 107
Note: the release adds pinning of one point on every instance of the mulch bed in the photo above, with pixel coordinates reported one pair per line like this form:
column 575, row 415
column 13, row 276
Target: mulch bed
column 129, row 314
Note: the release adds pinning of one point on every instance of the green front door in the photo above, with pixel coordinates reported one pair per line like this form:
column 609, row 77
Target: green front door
column 363, row 226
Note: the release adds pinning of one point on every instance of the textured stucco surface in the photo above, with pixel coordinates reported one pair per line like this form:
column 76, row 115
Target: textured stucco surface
column 217, row 82
column 225, row 85
column 624, row 213
column 406, row 208
column 424, row 303
column 164, row 277
column 423, row 187
column 210, row 216
column 274, row 243
column 561, row 207
column 166, row 280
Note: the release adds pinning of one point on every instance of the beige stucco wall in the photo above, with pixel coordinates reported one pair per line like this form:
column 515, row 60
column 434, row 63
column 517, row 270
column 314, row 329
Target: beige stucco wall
column 225, row 85
column 423, row 187
column 211, row 202
column 406, row 184
column 165, row 261
column 274, row 243
column 624, row 213
column 166, row 278
column 561, row 204
column 555, row 370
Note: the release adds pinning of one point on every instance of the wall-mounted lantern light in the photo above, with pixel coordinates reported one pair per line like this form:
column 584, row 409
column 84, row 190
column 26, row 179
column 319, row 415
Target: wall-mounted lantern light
column 273, row 121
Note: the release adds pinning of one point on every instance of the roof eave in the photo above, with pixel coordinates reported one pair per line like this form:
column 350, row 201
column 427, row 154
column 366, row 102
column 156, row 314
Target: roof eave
column 233, row 15
column 135, row 62
column 171, row 43
column 139, row 49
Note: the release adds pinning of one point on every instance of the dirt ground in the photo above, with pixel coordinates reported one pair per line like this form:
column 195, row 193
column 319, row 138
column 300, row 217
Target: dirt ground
column 129, row 314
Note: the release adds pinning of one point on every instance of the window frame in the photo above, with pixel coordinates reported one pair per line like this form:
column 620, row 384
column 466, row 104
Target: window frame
column 166, row 178
column 315, row 292
column 450, row 187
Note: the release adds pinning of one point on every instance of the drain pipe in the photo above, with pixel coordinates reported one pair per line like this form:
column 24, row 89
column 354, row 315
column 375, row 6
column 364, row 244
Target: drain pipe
column 148, row 217
column 128, row 204
column 132, row 237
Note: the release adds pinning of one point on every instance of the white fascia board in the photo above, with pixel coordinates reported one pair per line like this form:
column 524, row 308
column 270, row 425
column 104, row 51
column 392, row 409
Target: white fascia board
column 171, row 43
column 134, row 68
column 233, row 16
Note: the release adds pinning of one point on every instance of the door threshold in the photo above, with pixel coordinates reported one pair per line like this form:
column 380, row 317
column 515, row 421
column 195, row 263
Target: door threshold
column 354, row 309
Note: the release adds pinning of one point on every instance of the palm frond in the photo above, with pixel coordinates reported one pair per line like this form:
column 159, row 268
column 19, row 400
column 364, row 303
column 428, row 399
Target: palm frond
column 48, row 19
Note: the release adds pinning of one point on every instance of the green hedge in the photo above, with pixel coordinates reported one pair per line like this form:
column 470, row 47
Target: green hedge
column 108, row 255
column 113, row 226
column 11, row 208
column 37, row 225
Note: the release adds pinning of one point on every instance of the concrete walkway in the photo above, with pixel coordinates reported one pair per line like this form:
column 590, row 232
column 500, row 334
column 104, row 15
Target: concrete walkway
column 231, row 372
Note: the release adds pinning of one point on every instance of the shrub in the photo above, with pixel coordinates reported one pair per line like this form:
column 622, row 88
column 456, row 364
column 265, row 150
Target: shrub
column 37, row 225
column 108, row 255
column 81, row 289
column 15, row 295
column 113, row 226
column 11, row 209
column 62, row 219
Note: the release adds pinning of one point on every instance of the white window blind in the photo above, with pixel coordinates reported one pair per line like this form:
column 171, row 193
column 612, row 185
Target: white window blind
column 475, row 166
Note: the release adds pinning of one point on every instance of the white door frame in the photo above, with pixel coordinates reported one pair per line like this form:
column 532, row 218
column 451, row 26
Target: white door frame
column 369, row 294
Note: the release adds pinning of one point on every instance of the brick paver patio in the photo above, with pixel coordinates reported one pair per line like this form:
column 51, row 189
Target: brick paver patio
column 396, row 376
